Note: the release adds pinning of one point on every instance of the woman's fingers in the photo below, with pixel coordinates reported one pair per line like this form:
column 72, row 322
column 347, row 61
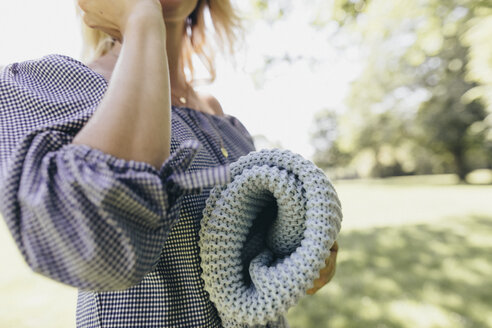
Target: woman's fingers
column 326, row 273
column 112, row 16
column 92, row 23
column 116, row 34
column 334, row 248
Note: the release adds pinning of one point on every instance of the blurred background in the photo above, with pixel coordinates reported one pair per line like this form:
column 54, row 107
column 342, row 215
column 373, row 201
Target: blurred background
column 392, row 98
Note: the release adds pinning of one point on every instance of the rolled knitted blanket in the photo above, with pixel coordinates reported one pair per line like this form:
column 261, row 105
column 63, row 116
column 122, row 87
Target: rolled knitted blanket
column 265, row 235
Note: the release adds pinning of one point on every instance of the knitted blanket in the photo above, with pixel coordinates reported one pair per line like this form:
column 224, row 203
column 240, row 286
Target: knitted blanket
column 265, row 235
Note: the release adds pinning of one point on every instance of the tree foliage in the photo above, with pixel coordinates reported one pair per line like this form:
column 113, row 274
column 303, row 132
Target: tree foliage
column 326, row 139
column 423, row 102
column 419, row 105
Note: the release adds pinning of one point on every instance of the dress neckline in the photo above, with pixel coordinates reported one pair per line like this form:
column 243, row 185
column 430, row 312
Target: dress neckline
column 225, row 116
column 199, row 111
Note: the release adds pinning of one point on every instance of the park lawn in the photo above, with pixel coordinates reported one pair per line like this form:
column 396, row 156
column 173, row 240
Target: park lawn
column 28, row 299
column 413, row 253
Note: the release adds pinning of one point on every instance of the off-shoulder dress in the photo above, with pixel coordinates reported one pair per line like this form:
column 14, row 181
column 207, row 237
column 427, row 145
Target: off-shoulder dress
column 123, row 232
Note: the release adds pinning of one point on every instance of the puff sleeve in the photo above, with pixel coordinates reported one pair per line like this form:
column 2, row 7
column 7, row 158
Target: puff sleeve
column 78, row 215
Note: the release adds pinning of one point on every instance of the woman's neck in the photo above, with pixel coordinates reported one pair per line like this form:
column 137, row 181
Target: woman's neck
column 174, row 44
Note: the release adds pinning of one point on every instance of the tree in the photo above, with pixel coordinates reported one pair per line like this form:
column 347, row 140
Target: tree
column 446, row 119
column 415, row 87
column 326, row 140
column 420, row 104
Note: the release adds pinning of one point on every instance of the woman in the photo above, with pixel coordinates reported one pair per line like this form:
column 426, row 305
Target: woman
column 92, row 158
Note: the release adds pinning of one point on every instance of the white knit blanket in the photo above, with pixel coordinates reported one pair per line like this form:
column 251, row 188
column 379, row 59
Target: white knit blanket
column 265, row 236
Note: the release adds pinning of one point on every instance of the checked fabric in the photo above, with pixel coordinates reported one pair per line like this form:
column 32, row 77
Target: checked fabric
column 122, row 232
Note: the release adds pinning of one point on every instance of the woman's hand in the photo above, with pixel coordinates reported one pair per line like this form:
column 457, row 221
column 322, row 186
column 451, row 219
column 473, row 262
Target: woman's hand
column 327, row 273
column 112, row 16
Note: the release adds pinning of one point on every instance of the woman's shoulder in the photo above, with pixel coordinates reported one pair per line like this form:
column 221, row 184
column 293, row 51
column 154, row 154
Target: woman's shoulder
column 54, row 89
column 50, row 58
column 212, row 103
column 52, row 77
column 49, row 67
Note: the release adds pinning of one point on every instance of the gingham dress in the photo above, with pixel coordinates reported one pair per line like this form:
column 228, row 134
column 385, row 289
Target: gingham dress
column 121, row 231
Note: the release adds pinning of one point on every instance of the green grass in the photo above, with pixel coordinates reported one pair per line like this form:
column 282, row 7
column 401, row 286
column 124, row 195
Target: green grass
column 28, row 299
column 422, row 275
column 413, row 253
column 410, row 200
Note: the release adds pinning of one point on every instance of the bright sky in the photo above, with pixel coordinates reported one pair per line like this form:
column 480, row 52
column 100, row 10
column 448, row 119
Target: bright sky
column 282, row 110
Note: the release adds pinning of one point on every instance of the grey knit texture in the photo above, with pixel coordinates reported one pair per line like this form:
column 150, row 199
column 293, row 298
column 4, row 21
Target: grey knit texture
column 265, row 235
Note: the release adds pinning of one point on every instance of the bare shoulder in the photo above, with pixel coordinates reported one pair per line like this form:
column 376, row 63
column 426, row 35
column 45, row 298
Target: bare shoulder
column 212, row 102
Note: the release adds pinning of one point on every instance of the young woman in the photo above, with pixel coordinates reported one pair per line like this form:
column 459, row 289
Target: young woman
column 92, row 159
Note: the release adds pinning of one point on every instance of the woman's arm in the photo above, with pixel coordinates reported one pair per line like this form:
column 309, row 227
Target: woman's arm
column 79, row 215
column 133, row 120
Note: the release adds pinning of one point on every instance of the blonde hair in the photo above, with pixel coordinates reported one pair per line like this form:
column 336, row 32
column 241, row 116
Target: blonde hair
column 227, row 31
